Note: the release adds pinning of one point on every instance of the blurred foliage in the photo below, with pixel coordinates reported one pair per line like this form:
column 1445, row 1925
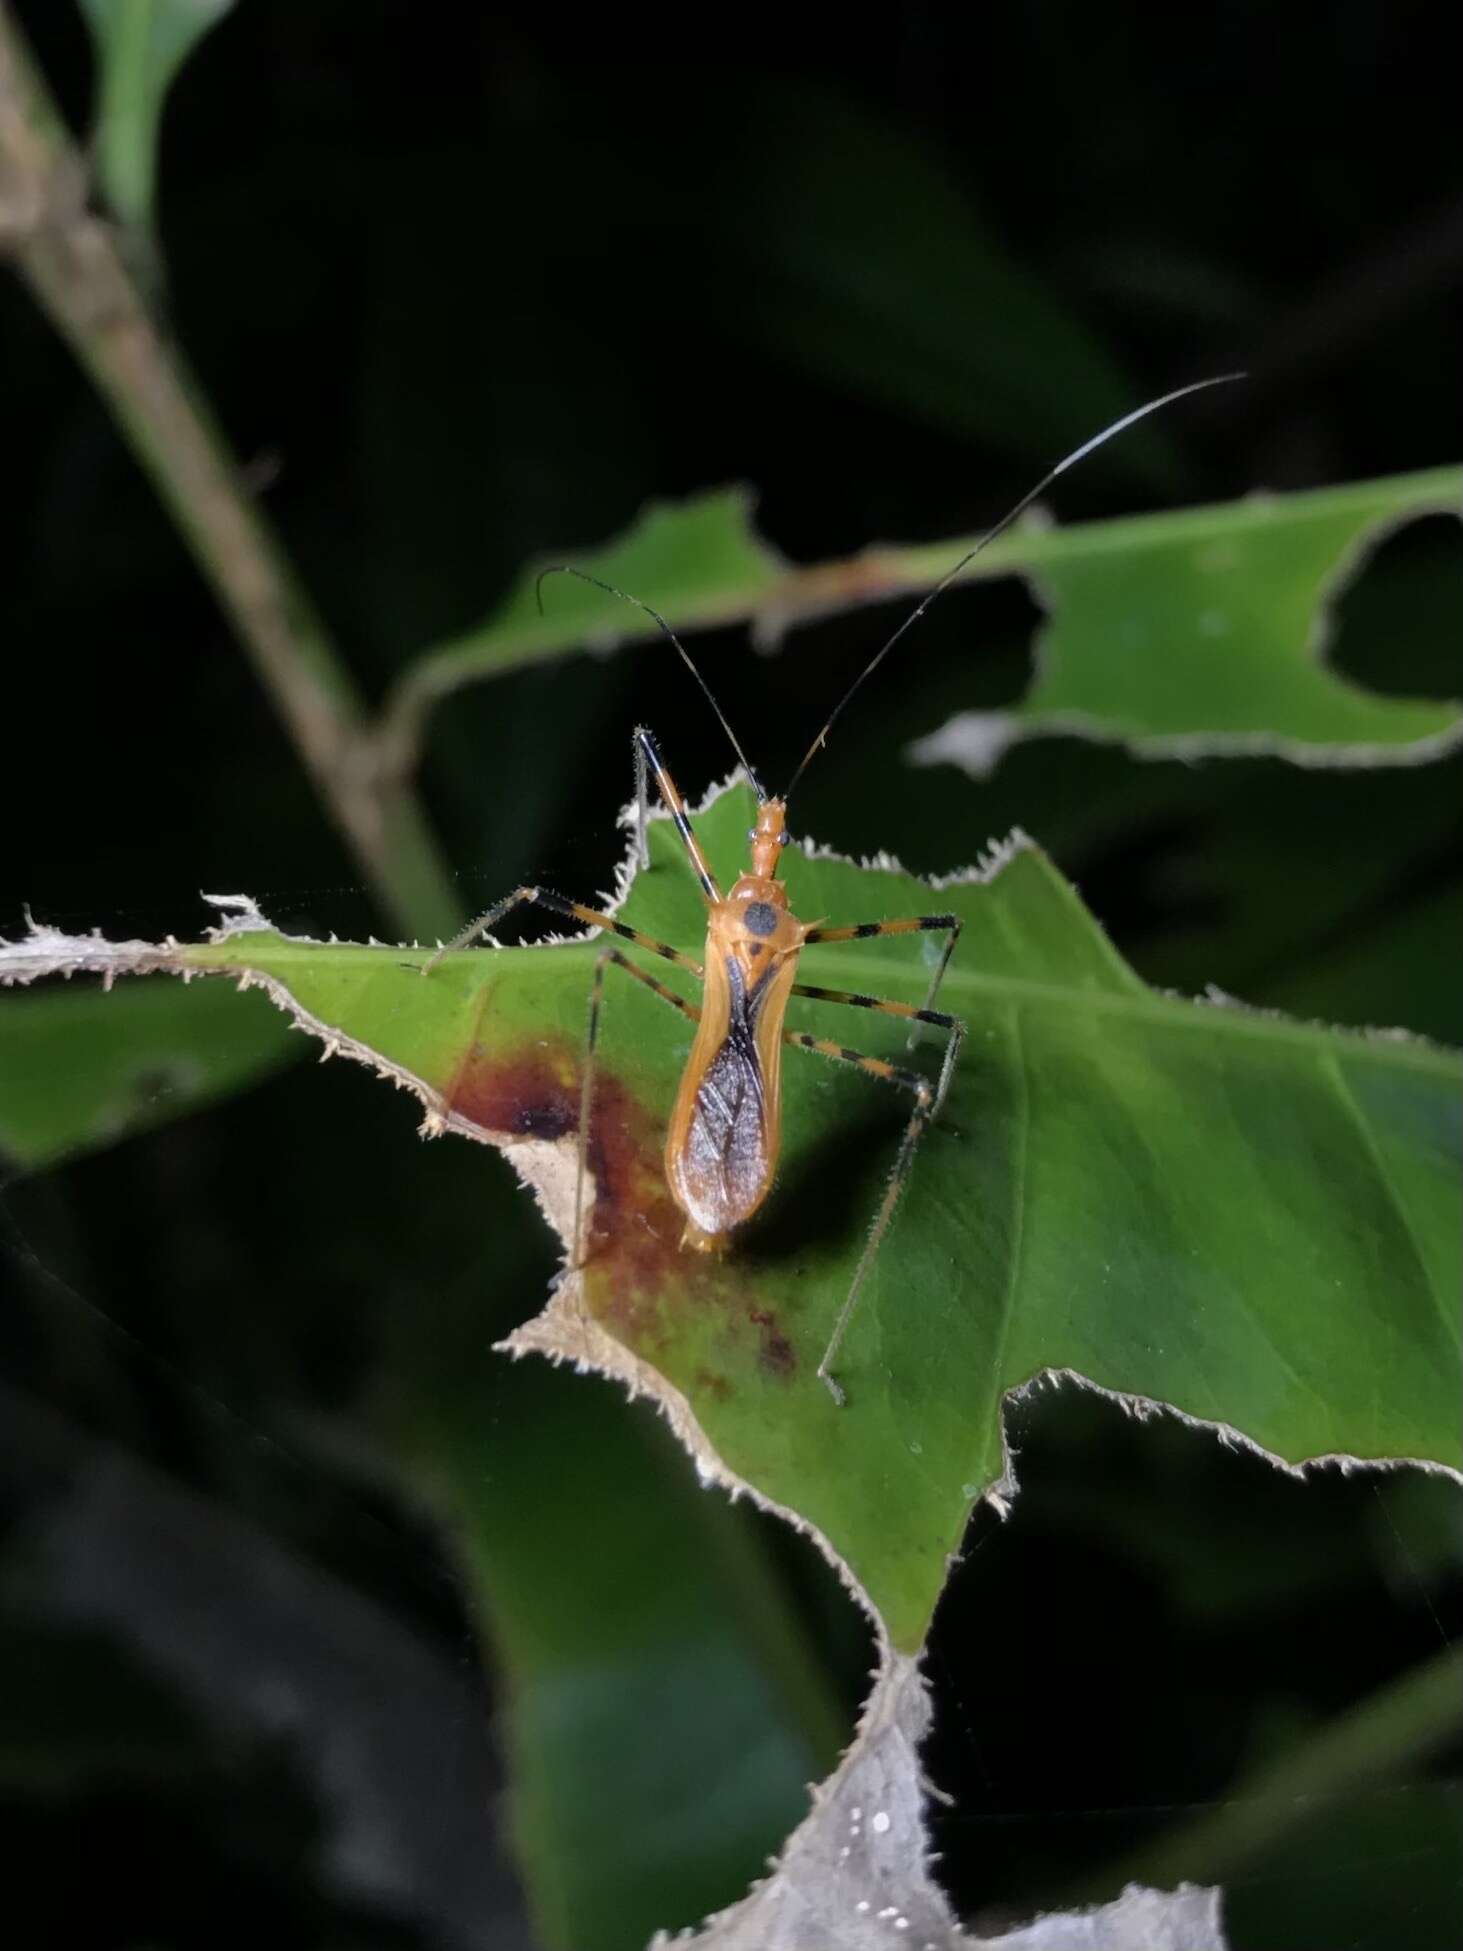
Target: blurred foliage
column 460, row 296
column 140, row 46
column 1200, row 634
column 86, row 1068
column 1207, row 634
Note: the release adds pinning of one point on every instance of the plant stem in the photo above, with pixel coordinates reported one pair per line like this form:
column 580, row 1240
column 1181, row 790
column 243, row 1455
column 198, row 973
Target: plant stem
column 70, row 260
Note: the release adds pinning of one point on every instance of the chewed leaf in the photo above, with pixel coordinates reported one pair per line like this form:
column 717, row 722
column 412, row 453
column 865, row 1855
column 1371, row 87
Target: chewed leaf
column 1204, row 634
column 1233, row 1214
column 1245, row 1218
column 700, row 561
column 1197, row 632
column 1240, row 1216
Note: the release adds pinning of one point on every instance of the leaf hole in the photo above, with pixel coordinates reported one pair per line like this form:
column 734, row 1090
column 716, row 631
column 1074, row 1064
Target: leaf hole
column 1397, row 626
column 1160, row 1618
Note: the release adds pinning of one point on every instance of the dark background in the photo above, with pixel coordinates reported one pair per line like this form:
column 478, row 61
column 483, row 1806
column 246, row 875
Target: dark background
column 464, row 289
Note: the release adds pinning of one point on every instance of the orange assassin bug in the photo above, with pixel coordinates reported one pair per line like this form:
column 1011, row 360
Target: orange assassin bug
column 725, row 1128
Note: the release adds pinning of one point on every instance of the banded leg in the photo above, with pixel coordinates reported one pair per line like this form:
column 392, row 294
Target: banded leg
column 885, row 1008
column 543, row 897
column 927, row 1102
column 605, row 957
column 861, row 931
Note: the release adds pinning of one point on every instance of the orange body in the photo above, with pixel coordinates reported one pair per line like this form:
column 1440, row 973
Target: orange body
column 721, row 1151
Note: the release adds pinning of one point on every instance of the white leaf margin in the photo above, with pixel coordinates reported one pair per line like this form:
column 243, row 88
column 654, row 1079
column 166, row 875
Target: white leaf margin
column 975, row 742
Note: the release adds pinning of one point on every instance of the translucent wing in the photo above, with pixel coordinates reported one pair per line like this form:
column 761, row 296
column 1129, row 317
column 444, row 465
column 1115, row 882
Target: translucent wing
column 725, row 1155
column 724, row 1132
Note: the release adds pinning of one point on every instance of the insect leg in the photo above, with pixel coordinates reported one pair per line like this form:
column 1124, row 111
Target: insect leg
column 946, row 952
column 927, row 1102
column 543, row 897
column 860, row 931
column 649, row 755
column 915, row 1016
column 602, row 961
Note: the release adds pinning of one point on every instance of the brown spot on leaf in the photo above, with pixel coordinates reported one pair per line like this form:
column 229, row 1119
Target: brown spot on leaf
column 524, row 1097
column 776, row 1353
column 639, row 1278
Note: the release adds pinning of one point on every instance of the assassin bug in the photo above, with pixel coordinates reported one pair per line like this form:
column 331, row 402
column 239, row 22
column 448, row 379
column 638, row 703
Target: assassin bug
column 725, row 1129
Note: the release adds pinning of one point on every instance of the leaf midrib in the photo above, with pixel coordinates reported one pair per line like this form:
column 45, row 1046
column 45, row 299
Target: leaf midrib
column 1195, row 1013
column 1143, row 1005
column 1408, row 496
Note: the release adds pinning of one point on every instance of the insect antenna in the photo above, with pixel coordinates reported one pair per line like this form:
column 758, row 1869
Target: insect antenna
column 1013, row 515
column 563, row 569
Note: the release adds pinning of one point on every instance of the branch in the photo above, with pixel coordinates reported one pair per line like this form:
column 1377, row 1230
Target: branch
column 69, row 259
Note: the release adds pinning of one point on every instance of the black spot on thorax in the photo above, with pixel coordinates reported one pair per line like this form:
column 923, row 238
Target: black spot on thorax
column 761, row 917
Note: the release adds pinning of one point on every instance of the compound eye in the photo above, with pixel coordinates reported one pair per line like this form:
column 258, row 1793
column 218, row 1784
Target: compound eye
column 783, row 838
column 751, row 834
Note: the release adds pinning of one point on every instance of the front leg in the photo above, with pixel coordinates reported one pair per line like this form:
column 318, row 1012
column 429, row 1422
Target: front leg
column 542, row 897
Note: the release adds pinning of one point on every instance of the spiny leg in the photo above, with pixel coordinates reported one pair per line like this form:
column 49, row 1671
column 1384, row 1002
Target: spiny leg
column 927, row 1104
column 861, row 931
column 543, row 897
column 605, row 957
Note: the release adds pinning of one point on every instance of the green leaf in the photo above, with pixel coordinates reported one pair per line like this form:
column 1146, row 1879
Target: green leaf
column 614, row 1591
column 1244, row 1217
column 699, row 562
column 1238, row 1215
column 83, row 1069
column 1203, row 633
column 1196, row 633
column 140, row 46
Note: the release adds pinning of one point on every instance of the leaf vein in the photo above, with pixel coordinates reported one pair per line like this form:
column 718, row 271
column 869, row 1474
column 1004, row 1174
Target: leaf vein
column 1384, row 1174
